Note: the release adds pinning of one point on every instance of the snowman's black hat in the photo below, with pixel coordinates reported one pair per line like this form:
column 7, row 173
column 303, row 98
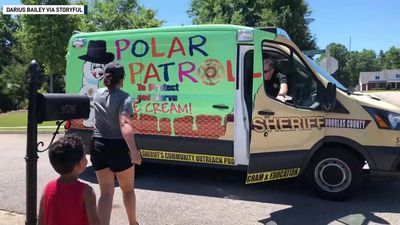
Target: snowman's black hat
column 96, row 53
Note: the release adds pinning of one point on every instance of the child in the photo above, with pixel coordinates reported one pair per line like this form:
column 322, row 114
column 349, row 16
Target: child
column 67, row 201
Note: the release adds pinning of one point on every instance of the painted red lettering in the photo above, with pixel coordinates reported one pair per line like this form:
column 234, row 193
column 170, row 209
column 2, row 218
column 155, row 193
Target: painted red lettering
column 152, row 87
column 231, row 78
column 154, row 52
column 141, row 87
column 164, row 107
column 151, row 73
column 156, row 108
column 133, row 72
column 147, row 108
column 173, row 108
column 183, row 108
column 180, row 48
column 136, row 107
column 256, row 75
column 144, row 97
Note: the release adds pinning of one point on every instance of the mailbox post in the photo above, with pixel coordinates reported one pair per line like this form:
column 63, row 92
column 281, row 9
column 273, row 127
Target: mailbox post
column 45, row 107
column 31, row 145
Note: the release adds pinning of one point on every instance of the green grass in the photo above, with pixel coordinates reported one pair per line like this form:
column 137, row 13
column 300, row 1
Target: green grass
column 18, row 121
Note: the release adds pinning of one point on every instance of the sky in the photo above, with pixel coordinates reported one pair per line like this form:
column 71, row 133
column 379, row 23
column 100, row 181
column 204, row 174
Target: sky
column 370, row 24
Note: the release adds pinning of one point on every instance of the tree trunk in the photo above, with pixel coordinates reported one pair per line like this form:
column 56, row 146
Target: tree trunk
column 51, row 83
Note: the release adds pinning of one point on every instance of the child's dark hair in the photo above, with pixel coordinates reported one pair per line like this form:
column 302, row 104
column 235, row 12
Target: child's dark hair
column 113, row 74
column 65, row 153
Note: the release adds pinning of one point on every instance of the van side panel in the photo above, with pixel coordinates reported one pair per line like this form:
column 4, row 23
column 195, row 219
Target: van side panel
column 183, row 85
column 187, row 86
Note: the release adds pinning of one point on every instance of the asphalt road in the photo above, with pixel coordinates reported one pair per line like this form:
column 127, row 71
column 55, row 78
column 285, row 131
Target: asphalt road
column 169, row 194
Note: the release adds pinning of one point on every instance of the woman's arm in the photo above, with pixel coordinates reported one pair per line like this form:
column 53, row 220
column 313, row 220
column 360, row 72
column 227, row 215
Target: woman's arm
column 128, row 134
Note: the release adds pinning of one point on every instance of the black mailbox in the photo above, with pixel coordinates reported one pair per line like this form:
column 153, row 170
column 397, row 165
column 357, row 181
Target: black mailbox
column 62, row 107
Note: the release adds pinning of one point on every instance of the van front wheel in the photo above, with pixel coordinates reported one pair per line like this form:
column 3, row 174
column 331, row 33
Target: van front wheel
column 335, row 174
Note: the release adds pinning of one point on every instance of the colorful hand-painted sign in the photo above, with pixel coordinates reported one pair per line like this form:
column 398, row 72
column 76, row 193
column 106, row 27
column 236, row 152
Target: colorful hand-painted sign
column 175, row 79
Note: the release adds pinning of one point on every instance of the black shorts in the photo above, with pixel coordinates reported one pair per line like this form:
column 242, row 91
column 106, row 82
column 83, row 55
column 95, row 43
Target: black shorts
column 112, row 153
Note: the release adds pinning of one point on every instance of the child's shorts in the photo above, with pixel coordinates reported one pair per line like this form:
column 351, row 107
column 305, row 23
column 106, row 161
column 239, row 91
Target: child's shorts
column 112, row 153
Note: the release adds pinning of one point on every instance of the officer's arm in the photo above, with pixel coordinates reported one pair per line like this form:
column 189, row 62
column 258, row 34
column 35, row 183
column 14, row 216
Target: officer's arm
column 283, row 87
column 283, row 90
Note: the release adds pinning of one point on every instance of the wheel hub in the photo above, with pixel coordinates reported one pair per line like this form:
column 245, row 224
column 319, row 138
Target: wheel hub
column 332, row 175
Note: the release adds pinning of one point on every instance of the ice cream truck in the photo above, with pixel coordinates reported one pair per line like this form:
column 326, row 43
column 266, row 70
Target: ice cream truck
column 200, row 97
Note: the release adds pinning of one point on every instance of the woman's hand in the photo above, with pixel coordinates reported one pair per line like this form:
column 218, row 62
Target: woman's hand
column 128, row 133
column 136, row 157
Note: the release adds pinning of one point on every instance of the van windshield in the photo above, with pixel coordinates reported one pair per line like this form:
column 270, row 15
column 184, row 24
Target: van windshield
column 325, row 74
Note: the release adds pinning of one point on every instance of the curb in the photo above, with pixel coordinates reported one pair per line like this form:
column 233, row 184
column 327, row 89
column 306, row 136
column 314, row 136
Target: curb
column 11, row 218
column 24, row 132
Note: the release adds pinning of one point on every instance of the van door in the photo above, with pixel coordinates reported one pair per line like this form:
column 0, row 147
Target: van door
column 243, row 105
column 282, row 132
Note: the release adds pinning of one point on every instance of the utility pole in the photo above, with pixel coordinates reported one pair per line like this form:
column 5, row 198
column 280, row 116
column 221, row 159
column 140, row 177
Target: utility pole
column 349, row 59
column 350, row 44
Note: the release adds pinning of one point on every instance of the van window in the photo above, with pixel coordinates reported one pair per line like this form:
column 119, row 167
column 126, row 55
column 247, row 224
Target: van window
column 325, row 74
column 302, row 85
column 248, row 83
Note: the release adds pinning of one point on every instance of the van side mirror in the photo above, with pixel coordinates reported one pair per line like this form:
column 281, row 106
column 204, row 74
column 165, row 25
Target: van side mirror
column 330, row 97
column 62, row 107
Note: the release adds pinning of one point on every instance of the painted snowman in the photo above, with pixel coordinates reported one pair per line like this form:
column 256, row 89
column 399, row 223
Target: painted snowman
column 95, row 59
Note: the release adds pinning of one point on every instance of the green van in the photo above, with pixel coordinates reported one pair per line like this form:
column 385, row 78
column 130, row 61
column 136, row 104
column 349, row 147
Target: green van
column 200, row 98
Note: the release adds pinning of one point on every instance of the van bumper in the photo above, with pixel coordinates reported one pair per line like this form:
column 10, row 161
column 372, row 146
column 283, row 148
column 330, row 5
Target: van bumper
column 386, row 160
column 384, row 175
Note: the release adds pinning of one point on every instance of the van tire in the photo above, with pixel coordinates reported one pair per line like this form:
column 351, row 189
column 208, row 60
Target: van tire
column 335, row 173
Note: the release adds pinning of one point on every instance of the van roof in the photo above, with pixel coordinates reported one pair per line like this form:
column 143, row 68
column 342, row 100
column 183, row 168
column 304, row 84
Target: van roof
column 210, row 27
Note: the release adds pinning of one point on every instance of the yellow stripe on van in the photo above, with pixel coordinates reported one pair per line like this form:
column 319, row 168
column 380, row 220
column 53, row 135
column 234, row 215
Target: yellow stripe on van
column 272, row 175
column 188, row 157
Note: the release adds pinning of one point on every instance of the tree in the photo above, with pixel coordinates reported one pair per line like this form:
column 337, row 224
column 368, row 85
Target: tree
column 341, row 54
column 8, row 26
column 106, row 15
column 16, row 82
column 363, row 61
column 391, row 59
column 45, row 38
column 11, row 82
column 294, row 17
column 238, row 12
column 354, row 62
column 291, row 15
